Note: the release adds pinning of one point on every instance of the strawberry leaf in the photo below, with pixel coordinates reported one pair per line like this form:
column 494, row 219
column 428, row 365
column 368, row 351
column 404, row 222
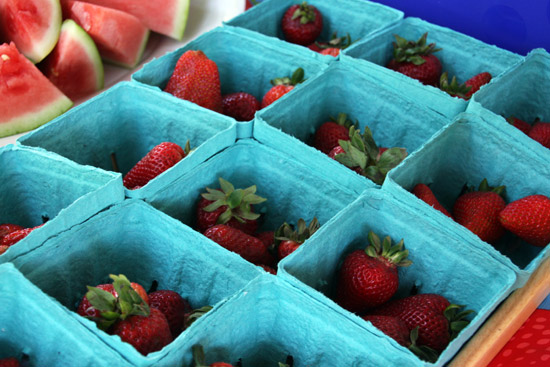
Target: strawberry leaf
column 226, row 186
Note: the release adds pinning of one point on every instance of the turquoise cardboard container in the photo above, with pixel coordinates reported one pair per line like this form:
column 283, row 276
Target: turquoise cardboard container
column 40, row 187
column 442, row 263
column 466, row 152
column 38, row 332
column 282, row 320
column 461, row 56
column 246, row 62
column 358, row 18
column 134, row 239
column 128, row 120
column 394, row 119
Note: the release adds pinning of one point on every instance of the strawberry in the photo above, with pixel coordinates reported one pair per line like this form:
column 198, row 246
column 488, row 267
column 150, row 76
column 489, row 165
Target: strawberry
column 522, row 125
column 282, row 86
column 13, row 237
column 392, row 326
column 478, row 211
column 476, row 82
column 331, row 132
column 267, row 238
column 86, row 309
column 248, row 247
column 529, row 219
column 200, row 359
column 465, row 90
column 424, row 193
column 332, row 47
column 240, row 105
column 196, row 79
column 129, row 316
column 230, row 206
column 268, row 269
column 162, row 157
column 302, row 24
column 249, row 4
column 7, row 228
column 173, row 306
column 9, row 362
column 416, row 60
column 369, row 277
column 541, row 132
column 288, row 239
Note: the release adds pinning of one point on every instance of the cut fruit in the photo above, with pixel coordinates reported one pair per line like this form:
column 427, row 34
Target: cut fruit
column 74, row 66
column 29, row 99
column 33, row 25
column 119, row 36
column 168, row 19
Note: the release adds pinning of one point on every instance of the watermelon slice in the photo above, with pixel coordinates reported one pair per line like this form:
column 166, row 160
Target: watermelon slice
column 166, row 17
column 74, row 65
column 29, row 99
column 33, row 25
column 120, row 37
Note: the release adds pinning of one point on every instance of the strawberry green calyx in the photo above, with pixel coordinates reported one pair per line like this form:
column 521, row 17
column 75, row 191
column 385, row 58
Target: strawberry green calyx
column 286, row 232
column 296, row 78
column 410, row 51
column 393, row 253
column 485, row 187
column 421, row 351
column 457, row 318
column 336, row 42
column 238, row 202
column 196, row 314
column 198, row 355
column 305, row 13
column 343, row 120
column 453, row 88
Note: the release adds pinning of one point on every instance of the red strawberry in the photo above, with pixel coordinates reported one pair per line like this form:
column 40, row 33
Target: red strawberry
column 333, row 47
column 249, row 4
column 240, row 105
column 465, row 90
column 541, row 132
column 86, row 309
column 302, row 24
column 316, row 46
column 159, row 159
column 369, row 278
column 200, row 360
column 9, row 362
column 522, row 125
column 339, row 150
column 332, row 51
column 529, row 219
column 416, row 60
column 7, row 228
column 424, row 193
column 288, row 239
column 392, row 326
column 478, row 211
column 282, row 86
column 230, row 206
column 267, row 238
column 249, row 247
column 268, row 269
column 196, row 79
column 12, row 238
column 476, row 82
column 331, row 132
column 173, row 306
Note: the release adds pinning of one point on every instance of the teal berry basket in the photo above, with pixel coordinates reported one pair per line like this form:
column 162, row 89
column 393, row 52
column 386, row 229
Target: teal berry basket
column 124, row 123
column 39, row 187
column 134, row 239
column 37, row 332
column 281, row 321
column 466, row 152
column 358, row 18
column 395, row 120
column 460, row 55
column 442, row 263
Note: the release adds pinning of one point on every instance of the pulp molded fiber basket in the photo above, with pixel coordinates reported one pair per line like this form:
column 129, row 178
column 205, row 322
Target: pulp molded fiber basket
column 358, row 18
column 134, row 239
column 465, row 153
column 37, row 332
column 246, row 62
column 40, row 187
column 461, row 56
column 281, row 321
column 441, row 263
column 126, row 122
column 394, row 119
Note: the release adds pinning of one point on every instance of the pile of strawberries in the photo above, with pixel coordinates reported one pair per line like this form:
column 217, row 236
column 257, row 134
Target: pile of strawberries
column 486, row 213
column 537, row 130
column 10, row 234
column 200, row 358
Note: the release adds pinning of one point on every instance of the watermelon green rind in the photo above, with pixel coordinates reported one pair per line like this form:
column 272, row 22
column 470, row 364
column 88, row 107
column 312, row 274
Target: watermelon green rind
column 181, row 21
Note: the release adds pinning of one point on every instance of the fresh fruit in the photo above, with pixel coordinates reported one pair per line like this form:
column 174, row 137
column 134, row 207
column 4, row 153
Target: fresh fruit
column 369, row 277
column 302, row 24
column 249, row 4
column 479, row 210
column 540, row 132
column 332, row 47
column 29, row 99
column 86, row 309
column 476, row 82
column 74, row 66
column 267, row 238
column 268, row 269
column 248, row 247
column 424, row 193
column 331, row 132
column 33, row 25
column 288, row 239
column 230, row 206
column 282, row 86
column 13, row 237
column 173, row 306
column 522, row 125
column 196, row 79
column 529, row 219
column 9, row 362
column 392, row 326
column 119, row 36
column 240, row 105
column 200, row 359
column 7, row 228
column 162, row 157
column 169, row 19
column 416, row 59
column 465, row 90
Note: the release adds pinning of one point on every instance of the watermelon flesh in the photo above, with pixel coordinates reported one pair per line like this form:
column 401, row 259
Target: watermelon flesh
column 74, row 66
column 120, row 37
column 29, row 99
column 167, row 17
column 33, row 25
